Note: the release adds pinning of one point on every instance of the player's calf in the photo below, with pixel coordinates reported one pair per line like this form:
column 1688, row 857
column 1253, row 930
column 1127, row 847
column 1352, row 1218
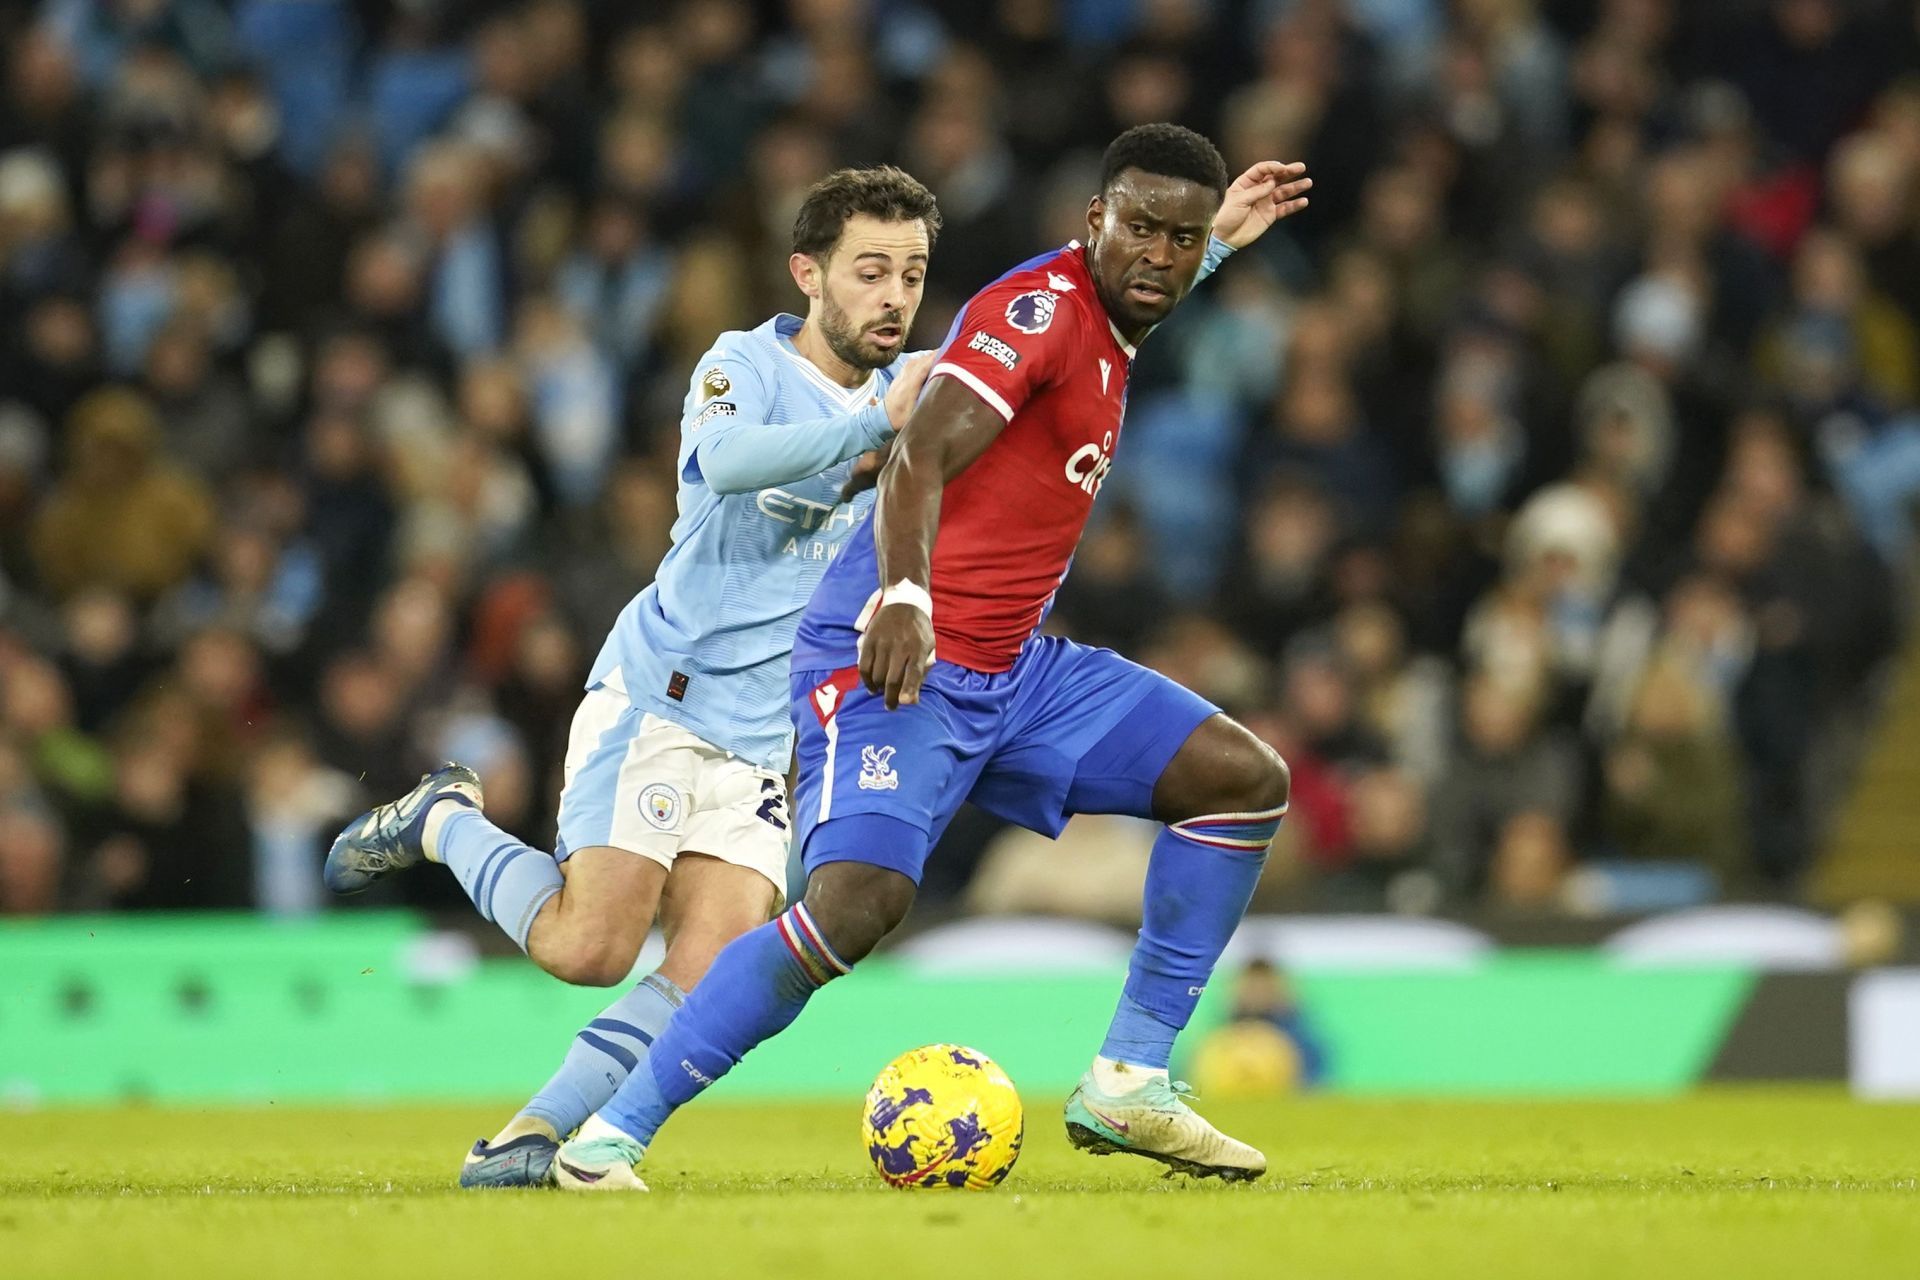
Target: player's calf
column 758, row 985
column 589, row 960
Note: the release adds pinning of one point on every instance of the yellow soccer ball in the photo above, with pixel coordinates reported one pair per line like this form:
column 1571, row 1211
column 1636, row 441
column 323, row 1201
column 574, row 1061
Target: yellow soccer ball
column 943, row 1116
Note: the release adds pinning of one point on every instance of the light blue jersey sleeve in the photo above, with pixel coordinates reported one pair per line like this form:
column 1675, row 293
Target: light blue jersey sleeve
column 728, row 444
column 1218, row 251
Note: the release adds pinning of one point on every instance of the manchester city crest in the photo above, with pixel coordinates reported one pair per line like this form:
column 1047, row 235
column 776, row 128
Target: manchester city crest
column 660, row 805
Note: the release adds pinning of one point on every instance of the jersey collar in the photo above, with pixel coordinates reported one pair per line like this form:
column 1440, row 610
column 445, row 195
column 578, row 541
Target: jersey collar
column 784, row 327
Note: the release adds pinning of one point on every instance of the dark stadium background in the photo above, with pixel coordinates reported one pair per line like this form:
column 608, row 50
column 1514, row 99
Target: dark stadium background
column 1542, row 492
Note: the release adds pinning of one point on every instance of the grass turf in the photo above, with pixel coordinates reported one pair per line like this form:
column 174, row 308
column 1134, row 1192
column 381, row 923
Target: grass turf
column 1746, row 1183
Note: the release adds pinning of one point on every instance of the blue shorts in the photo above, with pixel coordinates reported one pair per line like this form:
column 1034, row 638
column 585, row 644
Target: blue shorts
column 1070, row 729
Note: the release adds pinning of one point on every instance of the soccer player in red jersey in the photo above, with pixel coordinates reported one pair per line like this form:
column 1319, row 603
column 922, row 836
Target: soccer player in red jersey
column 920, row 679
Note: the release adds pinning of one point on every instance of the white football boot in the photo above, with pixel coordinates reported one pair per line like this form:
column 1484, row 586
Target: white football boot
column 598, row 1158
column 1154, row 1120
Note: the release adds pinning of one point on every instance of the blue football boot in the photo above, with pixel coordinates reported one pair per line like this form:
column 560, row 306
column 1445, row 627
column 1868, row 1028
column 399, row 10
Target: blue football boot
column 519, row 1156
column 387, row 838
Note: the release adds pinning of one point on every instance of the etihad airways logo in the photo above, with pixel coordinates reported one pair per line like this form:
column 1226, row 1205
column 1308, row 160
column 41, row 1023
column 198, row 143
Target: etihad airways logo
column 787, row 508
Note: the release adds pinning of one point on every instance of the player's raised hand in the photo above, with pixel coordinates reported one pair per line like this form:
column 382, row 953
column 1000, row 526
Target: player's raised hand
column 905, row 391
column 895, row 653
column 1260, row 197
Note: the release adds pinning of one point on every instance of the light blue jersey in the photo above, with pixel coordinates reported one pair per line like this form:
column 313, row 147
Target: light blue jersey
column 766, row 442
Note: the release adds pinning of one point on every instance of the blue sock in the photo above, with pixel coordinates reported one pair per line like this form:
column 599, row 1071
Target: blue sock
column 507, row 880
column 758, row 984
column 604, row 1054
column 1200, row 879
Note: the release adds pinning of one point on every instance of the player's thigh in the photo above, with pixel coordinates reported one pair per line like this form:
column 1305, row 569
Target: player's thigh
column 731, row 871
column 876, row 784
column 613, row 891
column 1092, row 732
column 623, row 815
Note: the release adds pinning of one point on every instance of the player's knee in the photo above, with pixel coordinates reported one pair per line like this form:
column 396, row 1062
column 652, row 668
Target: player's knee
column 588, row 960
column 856, row 905
column 1224, row 768
column 1266, row 782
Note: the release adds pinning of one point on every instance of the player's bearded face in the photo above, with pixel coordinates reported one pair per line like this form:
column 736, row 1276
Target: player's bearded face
column 871, row 341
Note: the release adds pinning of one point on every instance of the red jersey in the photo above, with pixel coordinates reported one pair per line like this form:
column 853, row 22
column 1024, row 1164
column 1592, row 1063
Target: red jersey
column 1038, row 347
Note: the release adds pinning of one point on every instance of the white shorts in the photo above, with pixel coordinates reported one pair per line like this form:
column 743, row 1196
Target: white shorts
column 646, row 785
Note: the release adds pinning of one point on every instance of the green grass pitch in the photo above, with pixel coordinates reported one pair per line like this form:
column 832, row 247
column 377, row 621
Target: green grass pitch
column 1743, row 1183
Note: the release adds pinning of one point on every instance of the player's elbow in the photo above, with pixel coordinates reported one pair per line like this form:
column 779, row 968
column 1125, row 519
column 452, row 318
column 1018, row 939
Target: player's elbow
column 718, row 469
column 726, row 482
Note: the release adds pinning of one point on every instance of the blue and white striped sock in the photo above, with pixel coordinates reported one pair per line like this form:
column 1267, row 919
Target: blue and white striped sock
column 604, row 1054
column 508, row 881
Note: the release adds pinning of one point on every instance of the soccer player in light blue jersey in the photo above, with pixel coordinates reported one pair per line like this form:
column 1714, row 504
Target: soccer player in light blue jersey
column 674, row 804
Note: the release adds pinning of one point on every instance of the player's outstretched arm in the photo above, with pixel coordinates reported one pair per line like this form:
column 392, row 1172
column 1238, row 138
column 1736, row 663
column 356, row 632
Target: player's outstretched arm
column 952, row 427
column 732, row 452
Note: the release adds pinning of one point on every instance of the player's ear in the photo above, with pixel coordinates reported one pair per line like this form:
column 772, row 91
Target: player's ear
column 1096, row 214
column 806, row 273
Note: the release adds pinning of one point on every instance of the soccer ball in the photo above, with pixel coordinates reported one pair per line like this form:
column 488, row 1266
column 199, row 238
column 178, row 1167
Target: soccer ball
column 943, row 1116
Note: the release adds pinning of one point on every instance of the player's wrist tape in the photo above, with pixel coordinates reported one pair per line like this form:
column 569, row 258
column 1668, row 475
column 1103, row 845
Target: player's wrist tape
column 906, row 591
column 901, row 592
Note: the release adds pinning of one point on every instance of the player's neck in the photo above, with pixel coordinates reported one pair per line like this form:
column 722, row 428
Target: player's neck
column 1132, row 337
column 812, row 344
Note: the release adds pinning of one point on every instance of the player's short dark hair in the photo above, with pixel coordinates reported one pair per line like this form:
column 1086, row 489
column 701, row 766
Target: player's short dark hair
column 1168, row 150
column 882, row 191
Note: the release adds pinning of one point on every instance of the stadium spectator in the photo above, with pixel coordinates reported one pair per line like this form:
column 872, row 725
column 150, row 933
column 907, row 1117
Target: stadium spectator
column 122, row 515
column 1673, row 784
column 1509, row 766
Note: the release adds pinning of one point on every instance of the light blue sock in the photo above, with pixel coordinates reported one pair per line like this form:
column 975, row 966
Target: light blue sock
column 507, row 880
column 758, row 984
column 604, row 1054
column 1200, row 878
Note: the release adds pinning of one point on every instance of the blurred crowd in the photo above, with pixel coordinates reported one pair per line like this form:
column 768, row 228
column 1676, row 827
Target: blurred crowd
column 1542, row 493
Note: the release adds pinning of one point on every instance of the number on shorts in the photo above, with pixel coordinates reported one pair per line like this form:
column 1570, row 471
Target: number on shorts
column 774, row 808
